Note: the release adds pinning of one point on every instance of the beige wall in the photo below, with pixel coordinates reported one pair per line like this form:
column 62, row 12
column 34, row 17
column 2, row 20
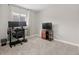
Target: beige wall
column 33, row 22
column 65, row 19
column 3, row 21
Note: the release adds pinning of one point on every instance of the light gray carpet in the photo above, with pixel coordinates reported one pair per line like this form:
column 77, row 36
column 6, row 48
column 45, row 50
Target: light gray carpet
column 37, row 46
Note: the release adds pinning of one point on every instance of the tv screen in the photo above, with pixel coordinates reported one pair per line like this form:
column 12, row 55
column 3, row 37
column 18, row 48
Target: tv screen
column 16, row 23
column 23, row 23
column 47, row 26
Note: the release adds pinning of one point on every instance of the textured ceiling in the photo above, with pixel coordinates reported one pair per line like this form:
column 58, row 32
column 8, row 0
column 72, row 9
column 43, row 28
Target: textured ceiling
column 37, row 7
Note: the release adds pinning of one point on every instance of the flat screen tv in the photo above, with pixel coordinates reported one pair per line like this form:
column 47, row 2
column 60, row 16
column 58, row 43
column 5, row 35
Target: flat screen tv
column 22, row 23
column 16, row 23
column 47, row 26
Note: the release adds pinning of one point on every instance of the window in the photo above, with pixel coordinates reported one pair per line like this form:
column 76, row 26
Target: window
column 19, row 17
column 15, row 16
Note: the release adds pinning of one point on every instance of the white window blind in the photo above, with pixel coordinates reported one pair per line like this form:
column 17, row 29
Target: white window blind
column 19, row 13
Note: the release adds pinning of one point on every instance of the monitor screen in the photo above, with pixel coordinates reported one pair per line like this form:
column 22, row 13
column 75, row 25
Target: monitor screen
column 23, row 23
column 16, row 23
column 47, row 26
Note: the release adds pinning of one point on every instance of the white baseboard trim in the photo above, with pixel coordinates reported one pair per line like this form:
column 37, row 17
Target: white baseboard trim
column 67, row 42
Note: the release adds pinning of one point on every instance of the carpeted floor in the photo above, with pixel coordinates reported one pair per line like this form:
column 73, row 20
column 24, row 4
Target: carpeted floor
column 37, row 46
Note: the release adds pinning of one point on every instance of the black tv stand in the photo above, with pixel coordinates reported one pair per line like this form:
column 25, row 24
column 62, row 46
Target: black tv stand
column 47, row 31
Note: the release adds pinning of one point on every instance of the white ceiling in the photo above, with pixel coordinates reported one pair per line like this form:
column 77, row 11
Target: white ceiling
column 37, row 7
